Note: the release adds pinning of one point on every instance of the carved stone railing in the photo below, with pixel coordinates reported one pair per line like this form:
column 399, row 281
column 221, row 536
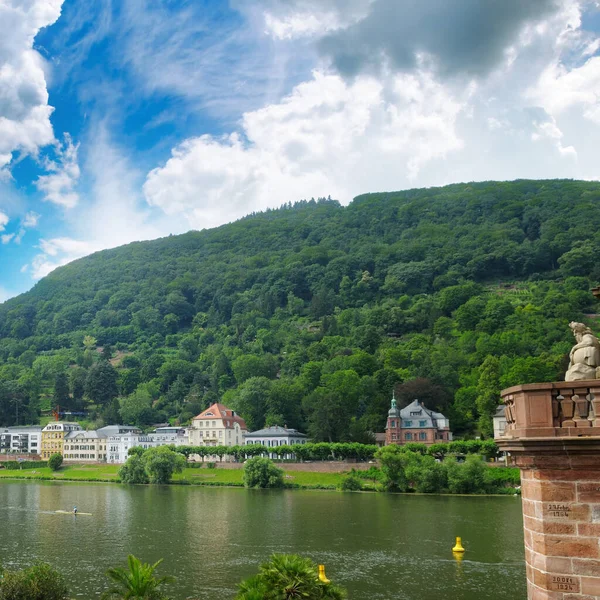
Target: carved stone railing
column 563, row 409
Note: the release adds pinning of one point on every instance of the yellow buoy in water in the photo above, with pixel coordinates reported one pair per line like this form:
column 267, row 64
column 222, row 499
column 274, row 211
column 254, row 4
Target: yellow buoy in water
column 458, row 546
column 322, row 575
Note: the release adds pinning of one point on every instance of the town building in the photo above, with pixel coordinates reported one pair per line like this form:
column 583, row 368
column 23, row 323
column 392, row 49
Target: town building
column 499, row 420
column 120, row 438
column 21, row 440
column 84, row 446
column 415, row 423
column 275, row 436
column 53, row 436
column 217, row 426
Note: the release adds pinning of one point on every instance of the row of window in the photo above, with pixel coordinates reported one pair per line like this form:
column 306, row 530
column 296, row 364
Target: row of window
column 407, row 423
column 208, row 424
column 86, row 456
column 409, row 436
column 81, row 447
column 274, row 443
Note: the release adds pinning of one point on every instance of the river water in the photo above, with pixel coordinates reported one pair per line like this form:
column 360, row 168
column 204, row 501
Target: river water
column 378, row 546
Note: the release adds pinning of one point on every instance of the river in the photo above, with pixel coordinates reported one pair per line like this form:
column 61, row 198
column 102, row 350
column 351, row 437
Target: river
column 378, row 546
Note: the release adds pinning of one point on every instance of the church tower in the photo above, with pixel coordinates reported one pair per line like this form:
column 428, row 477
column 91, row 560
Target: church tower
column 394, row 422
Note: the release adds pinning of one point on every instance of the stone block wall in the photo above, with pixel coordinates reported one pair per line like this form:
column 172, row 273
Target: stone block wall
column 553, row 438
column 561, row 518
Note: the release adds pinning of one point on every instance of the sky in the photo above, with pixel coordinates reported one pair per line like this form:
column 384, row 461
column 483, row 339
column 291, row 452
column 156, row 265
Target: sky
column 125, row 120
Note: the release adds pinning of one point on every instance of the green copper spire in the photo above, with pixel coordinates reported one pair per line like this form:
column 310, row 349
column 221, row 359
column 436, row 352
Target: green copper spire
column 393, row 399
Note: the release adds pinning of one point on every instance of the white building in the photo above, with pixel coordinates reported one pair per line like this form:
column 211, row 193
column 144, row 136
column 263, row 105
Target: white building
column 217, row 426
column 121, row 438
column 274, row 436
column 84, row 446
column 499, row 421
column 21, row 440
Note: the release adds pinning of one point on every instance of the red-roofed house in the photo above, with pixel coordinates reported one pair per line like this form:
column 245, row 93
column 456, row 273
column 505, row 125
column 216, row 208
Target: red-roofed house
column 217, row 426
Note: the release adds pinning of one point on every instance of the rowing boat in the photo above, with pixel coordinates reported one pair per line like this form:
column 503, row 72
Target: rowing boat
column 70, row 512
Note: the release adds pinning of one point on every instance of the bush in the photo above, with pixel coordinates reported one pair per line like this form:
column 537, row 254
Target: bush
column 40, row 582
column 134, row 470
column 211, row 465
column 161, row 463
column 262, row 473
column 351, row 483
column 55, row 461
column 155, row 465
column 288, row 576
column 14, row 465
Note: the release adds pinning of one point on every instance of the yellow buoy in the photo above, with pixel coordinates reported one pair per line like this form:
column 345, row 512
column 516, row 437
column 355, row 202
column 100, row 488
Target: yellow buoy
column 322, row 575
column 458, row 547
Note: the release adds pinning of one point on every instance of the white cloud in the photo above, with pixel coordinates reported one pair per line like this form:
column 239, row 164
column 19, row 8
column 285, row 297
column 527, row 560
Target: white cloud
column 5, row 294
column 317, row 141
column 115, row 213
column 59, row 186
column 299, row 18
column 57, row 252
column 7, row 237
column 24, row 111
column 3, row 221
column 391, row 131
column 31, row 220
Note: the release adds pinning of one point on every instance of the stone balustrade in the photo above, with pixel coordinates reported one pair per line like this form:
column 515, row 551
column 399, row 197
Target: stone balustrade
column 561, row 409
column 553, row 436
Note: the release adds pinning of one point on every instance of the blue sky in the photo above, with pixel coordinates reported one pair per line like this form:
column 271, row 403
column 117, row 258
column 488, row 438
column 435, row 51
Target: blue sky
column 133, row 119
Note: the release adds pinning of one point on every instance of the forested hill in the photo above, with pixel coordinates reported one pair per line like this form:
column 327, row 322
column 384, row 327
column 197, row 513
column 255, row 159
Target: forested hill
column 311, row 314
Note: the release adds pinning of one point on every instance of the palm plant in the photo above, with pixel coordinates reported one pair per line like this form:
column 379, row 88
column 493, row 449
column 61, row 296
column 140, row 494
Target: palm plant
column 137, row 582
column 288, row 577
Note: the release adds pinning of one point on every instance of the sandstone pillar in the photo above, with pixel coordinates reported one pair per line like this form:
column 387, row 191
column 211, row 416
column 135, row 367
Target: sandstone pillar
column 553, row 436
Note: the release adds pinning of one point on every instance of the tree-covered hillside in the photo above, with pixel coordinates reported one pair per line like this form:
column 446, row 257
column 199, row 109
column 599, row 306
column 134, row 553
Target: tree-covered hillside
column 311, row 314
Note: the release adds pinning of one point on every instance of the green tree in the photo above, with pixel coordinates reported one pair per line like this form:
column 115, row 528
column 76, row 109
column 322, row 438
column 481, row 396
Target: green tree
column 55, row 461
column 393, row 462
column 136, row 409
column 285, row 577
column 488, row 393
column 134, row 470
column 161, row 463
column 136, row 582
column 61, row 391
column 77, row 385
column 101, row 383
column 39, row 582
column 262, row 473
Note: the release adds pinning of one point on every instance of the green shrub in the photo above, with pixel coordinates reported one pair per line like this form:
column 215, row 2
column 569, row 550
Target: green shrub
column 13, row 465
column 262, row 473
column 39, row 582
column 211, row 465
column 288, row 576
column 55, row 461
column 351, row 483
column 134, row 470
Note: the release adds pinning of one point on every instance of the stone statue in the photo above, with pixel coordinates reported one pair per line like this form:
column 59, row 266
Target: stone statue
column 585, row 354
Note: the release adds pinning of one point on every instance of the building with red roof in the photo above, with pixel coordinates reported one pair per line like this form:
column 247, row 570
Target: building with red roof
column 217, row 426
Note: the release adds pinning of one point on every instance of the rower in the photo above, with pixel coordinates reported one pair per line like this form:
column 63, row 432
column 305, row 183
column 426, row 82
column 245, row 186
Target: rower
column 74, row 510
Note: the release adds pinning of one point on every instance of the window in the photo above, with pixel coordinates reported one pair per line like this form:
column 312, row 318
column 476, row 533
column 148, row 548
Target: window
column 422, row 423
column 407, row 423
column 394, row 436
column 422, row 436
column 408, row 436
column 392, row 423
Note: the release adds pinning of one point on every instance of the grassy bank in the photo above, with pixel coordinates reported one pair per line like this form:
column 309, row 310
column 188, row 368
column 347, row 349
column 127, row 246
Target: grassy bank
column 203, row 476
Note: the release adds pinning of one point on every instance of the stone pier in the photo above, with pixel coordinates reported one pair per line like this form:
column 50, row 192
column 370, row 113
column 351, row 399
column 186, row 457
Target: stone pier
column 553, row 436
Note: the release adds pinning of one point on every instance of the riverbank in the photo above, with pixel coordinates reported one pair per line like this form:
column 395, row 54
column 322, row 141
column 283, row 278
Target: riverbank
column 190, row 476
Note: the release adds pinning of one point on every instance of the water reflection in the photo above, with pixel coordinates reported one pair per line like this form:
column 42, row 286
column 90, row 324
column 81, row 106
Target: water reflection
column 379, row 546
